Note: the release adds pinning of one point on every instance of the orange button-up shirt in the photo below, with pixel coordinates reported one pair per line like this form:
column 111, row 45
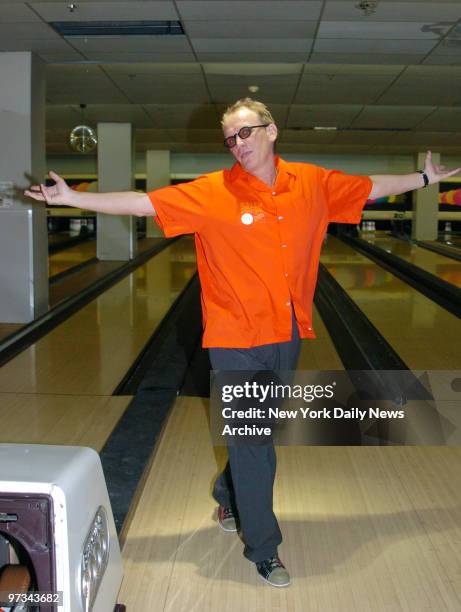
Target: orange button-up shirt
column 258, row 247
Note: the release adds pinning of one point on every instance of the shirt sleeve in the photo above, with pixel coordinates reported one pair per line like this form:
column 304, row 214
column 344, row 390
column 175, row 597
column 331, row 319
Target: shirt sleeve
column 181, row 209
column 345, row 195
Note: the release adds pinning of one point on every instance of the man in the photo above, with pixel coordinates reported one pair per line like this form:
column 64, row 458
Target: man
column 258, row 228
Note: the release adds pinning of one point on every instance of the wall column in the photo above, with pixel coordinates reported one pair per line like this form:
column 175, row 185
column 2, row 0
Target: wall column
column 425, row 205
column 116, row 235
column 23, row 224
column 157, row 175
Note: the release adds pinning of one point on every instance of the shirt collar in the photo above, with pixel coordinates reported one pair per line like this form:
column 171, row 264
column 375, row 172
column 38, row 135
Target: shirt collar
column 237, row 173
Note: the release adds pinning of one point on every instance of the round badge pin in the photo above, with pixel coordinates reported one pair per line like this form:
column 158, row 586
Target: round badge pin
column 247, row 219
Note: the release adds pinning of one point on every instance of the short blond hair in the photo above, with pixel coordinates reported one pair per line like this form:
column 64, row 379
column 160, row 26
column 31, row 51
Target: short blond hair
column 258, row 107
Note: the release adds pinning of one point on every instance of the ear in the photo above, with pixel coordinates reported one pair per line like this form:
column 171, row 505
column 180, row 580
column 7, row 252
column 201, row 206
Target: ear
column 272, row 131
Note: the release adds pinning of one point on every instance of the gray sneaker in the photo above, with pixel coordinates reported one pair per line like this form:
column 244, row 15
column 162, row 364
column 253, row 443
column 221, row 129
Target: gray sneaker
column 227, row 519
column 273, row 572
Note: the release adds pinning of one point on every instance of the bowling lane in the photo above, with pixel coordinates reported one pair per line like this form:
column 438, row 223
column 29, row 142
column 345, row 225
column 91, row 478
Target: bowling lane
column 424, row 334
column 73, row 256
column 443, row 267
column 59, row 419
column 453, row 240
column 373, row 528
column 90, row 352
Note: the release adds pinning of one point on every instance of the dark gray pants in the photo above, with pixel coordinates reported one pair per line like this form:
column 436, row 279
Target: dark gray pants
column 246, row 484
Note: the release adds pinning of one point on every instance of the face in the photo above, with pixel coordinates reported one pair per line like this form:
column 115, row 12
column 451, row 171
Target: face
column 256, row 151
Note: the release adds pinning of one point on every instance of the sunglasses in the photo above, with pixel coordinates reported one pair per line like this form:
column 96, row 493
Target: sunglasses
column 244, row 132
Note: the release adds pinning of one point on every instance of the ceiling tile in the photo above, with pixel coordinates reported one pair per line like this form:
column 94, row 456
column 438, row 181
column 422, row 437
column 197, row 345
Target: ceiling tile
column 197, row 136
column 306, row 136
column 39, row 46
column 76, row 83
column 28, row 31
column 148, row 70
column 398, row 59
column 183, row 115
column 259, row 69
column 250, row 10
column 346, row 45
column 137, row 57
column 152, row 135
column 340, row 10
column 250, row 29
column 442, row 60
column 217, row 57
column 101, row 11
column 278, row 111
column 341, row 89
column 442, row 119
column 426, row 85
column 430, row 139
column 338, row 115
column 16, row 12
column 144, row 44
column 449, row 46
column 257, row 45
column 391, row 116
column 376, row 30
column 368, row 138
column 280, row 89
column 163, row 89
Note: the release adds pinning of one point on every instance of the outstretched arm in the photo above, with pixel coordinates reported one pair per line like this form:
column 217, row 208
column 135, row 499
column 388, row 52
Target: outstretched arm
column 394, row 184
column 117, row 203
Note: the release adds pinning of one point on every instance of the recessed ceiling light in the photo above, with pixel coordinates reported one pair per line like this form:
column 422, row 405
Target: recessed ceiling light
column 327, row 128
column 253, row 88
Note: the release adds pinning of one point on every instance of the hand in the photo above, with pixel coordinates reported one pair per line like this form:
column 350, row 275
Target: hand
column 59, row 193
column 435, row 174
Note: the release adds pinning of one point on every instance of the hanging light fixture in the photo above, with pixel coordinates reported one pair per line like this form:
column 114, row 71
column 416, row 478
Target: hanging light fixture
column 83, row 138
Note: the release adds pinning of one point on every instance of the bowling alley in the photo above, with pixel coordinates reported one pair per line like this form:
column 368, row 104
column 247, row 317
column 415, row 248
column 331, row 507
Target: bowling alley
column 230, row 305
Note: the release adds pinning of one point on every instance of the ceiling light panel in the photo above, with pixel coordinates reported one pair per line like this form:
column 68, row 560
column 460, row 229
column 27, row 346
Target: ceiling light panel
column 117, row 28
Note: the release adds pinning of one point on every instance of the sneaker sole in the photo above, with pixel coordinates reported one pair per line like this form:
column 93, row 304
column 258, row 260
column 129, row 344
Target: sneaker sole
column 226, row 529
column 272, row 584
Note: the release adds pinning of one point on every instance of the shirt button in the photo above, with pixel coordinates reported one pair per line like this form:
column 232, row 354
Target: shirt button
column 286, row 273
column 274, row 193
column 288, row 304
column 284, row 246
column 280, row 217
column 309, row 328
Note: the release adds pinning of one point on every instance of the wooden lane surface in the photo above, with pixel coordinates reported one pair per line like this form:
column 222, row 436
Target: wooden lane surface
column 424, row 334
column 441, row 266
column 59, row 419
column 365, row 528
column 63, row 260
column 89, row 353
